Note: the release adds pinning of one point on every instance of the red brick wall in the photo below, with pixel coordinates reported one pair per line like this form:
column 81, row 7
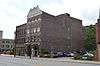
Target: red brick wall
column 98, row 40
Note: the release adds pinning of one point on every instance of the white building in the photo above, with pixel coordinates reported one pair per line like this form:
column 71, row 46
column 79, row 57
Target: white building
column 6, row 44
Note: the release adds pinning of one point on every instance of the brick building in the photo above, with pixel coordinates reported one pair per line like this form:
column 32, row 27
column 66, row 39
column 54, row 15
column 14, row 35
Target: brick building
column 98, row 39
column 20, row 36
column 46, row 31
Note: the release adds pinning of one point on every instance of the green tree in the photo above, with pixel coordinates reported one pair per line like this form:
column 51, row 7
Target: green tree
column 90, row 38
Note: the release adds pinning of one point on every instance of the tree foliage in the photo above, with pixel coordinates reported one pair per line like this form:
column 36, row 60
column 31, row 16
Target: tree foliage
column 90, row 38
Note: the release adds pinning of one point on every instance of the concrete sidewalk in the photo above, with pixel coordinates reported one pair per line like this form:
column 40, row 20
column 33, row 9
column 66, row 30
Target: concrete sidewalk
column 64, row 59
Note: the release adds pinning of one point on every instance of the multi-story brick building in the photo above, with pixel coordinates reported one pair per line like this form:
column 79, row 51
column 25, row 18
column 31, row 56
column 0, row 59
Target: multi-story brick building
column 20, row 36
column 98, row 39
column 46, row 31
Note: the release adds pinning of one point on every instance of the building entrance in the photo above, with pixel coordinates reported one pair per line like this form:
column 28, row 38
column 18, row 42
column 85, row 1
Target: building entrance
column 32, row 50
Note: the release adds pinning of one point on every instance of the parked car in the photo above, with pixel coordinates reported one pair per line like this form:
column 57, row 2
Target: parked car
column 60, row 54
column 65, row 54
column 54, row 55
column 87, row 56
column 69, row 54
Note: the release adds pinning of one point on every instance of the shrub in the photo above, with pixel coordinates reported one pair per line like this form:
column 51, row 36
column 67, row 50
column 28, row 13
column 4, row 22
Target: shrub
column 78, row 57
column 44, row 51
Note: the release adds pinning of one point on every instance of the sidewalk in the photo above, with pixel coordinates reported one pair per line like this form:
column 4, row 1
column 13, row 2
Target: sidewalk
column 65, row 59
column 78, row 61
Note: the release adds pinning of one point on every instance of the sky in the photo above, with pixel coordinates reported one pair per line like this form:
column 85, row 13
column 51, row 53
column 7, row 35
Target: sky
column 14, row 12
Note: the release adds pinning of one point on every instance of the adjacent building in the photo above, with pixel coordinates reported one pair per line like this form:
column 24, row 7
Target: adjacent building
column 20, row 36
column 0, row 37
column 45, row 31
column 98, row 39
column 1, row 34
column 6, row 44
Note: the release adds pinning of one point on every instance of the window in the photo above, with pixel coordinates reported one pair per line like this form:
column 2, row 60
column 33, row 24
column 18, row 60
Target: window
column 11, row 46
column 33, row 21
column 39, row 19
column 7, row 46
column 34, row 30
column 68, row 37
column 34, row 40
column 38, row 29
column 3, row 41
column 3, row 46
column 34, row 37
column 7, row 41
column 36, row 20
column 27, row 31
column 39, row 39
column 68, row 28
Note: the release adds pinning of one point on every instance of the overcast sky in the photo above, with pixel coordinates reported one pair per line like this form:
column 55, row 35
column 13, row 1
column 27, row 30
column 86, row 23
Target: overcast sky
column 14, row 12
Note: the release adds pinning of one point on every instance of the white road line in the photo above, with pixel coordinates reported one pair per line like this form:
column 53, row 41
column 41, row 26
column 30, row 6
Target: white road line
column 7, row 63
column 11, row 63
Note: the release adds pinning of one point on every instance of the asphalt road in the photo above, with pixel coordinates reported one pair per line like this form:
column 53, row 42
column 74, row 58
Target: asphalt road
column 11, row 61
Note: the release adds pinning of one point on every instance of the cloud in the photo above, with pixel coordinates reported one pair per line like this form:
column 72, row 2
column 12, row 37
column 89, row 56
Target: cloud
column 14, row 12
column 10, row 17
column 86, row 10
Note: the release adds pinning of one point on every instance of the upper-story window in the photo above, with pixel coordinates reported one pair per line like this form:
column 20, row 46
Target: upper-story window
column 28, row 31
column 68, row 29
column 35, row 19
column 38, row 29
column 39, row 19
column 68, row 37
column 34, row 30
column 3, row 41
column 7, row 41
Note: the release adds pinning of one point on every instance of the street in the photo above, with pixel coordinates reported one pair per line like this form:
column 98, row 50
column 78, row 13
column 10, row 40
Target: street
column 11, row 61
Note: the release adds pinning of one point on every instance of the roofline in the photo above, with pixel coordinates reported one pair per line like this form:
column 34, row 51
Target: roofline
column 7, row 39
column 21, row 25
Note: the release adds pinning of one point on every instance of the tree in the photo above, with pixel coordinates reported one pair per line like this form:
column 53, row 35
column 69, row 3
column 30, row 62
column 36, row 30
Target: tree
column 90, row 38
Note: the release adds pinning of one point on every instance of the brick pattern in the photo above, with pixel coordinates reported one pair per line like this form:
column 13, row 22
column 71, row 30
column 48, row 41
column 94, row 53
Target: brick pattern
column 98, row 39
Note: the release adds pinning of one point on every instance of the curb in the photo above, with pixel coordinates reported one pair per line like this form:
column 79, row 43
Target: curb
column 63, row 60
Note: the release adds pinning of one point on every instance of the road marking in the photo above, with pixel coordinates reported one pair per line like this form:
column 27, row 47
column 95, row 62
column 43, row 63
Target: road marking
column 5, row 63
column 19, row 63
column 11, row 63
